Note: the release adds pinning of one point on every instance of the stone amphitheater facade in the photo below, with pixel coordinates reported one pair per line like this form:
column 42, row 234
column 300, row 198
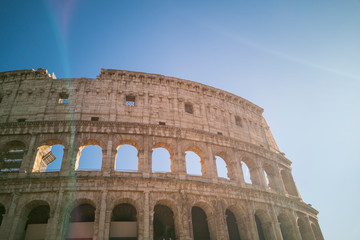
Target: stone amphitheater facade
column 146, row 111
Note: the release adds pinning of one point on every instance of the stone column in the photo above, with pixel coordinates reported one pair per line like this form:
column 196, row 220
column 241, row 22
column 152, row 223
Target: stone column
column 180, row 163
column 9, row 218
column 275, row 223
column 211, row 220
column 57, row 222
column 309, row 233
column 259, row 176
column 107, row 225
column 146, row 215
column 295, row 232
column 29, row 156
column 145, row 155
column 69, row 158
column 209, row 161
column 17, row 229
column 236, row 168
column 107, row 166
column 184, row 218
column 246, row 228
column 271, row 230
column 53, row 221
column 278, row 181
column 102, row 215
column 222, row 228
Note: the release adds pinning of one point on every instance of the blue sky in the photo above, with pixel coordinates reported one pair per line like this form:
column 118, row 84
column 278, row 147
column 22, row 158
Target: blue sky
column 299, row 60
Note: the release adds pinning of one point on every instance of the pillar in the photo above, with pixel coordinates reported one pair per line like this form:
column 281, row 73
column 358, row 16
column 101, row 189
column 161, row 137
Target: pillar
column 146, row 215
column 102, row 215
column 29, row 156
column 209, row 162
column 145, row 155
column 9, row 218
column 69, row 158
column 106, row 166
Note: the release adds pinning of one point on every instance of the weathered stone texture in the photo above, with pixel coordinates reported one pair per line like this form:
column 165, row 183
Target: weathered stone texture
column 220, row 124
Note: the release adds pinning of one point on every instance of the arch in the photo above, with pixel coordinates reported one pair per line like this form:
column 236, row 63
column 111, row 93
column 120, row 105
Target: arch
column 2, row 212
column 286, row 227
column 83, row 212
column 173, row 205
column 222, row 167
column 12, row 155
column 302, row 228
column 49, row 156
column 199, row 224
column 241, row 220
column 264, row 225
column 246, row 172
column 270, row 176
column 81, row 221
column 289, row 183
column 32, row 220
column 163, row 223
column 89, row 156
column 162, row 158
column 124, row 212
column 127, row 156
column 124, row 221
column 316, row 229
column 195, row 162
column 232, row 226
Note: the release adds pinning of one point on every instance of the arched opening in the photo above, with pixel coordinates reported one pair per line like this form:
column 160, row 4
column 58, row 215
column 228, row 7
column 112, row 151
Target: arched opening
column 302, row 228
column 48, row 158
column 193, row 163
column 221, row 167
column 267, row 179
column 264, row 225
column 285, row 227
column 316, row 231
column 89, row 158
column 2, row 212
column 246, row 172
column 289, row 183
column 232, row 226
column 269, row 175
column 12, row 156
column 37, row 221
column 123, row 222
column 81, row 224
column 127, row 158
column 161, row 161
column 199, row 224
column 259, row 228
column 164, row 226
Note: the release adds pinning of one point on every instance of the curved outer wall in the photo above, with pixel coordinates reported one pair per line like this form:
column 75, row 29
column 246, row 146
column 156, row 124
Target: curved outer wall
column 217, row 124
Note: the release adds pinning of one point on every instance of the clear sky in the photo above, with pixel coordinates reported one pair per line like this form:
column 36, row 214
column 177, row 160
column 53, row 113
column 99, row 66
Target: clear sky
column 299, row 60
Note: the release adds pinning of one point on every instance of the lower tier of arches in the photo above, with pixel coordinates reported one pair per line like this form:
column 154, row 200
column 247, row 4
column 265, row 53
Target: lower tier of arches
column 148, row 209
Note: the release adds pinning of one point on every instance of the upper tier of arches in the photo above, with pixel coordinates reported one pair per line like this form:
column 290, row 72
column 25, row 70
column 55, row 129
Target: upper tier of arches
column 134, row 153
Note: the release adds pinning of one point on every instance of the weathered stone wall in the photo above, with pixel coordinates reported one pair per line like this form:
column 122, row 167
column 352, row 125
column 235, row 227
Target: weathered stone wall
column 31, row 114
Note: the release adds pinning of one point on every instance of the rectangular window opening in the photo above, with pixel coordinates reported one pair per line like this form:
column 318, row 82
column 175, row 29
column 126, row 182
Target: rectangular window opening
column 238, row 121
column 189, row 108
column 21, row 119
column 63, row 98
column 130, row 101
column 95, row 119
column 219, row 133
column 162, row 123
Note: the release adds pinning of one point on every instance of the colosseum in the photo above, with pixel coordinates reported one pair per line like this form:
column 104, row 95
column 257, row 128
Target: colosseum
column 256, row 199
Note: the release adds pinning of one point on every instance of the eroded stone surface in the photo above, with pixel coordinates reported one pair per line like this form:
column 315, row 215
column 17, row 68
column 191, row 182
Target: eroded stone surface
column 146, row 111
